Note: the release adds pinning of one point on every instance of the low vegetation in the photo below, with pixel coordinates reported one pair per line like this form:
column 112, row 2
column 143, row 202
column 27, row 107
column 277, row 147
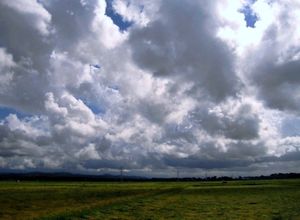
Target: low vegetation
column 259, row 199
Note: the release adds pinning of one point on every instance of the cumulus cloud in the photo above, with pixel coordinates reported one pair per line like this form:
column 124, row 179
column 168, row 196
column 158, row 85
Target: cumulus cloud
column 6, row 63
column 193, row 54
column 187, row 85
column 33, row 12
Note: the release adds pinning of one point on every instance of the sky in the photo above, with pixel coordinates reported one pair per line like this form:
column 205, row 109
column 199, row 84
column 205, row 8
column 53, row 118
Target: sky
column 204, row 87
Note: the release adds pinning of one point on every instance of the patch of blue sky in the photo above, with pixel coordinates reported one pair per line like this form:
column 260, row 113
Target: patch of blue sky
column 114, row 88
column 95, row 108
column 291, row 127
column 6, row 111
column 115, row 17
column 249, row 15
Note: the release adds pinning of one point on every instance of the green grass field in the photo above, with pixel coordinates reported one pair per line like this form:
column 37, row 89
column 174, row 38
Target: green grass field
column 274, row 199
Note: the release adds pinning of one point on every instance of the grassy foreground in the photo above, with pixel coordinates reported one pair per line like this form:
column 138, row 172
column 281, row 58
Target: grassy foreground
column 274, row 199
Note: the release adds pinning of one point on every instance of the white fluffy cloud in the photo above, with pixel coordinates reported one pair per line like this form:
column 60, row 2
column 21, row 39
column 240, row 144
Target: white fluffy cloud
column 187, row 85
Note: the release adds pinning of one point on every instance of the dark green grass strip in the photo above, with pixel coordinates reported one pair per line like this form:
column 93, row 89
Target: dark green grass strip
column 121, row 204
column 255, row 201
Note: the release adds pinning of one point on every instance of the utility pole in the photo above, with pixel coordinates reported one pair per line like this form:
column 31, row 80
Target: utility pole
column 121, row 174
column 177, row 172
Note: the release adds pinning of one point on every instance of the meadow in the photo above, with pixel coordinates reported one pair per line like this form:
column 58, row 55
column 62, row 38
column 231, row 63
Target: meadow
column 259, row 199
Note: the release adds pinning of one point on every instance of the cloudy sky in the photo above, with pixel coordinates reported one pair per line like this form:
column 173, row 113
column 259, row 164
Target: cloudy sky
column 197, row 85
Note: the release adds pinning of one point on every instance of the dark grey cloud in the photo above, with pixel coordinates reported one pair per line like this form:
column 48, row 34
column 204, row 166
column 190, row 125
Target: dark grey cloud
column 242, row 124
column 25, row 32
column 71, row 21
column 180, row 42
column 153, row 110
column 239, row 154
column 195, row 162
column 278, row 85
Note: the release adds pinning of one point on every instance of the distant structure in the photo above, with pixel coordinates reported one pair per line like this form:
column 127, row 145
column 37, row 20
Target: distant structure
column 121, row 174
column 177, row 174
